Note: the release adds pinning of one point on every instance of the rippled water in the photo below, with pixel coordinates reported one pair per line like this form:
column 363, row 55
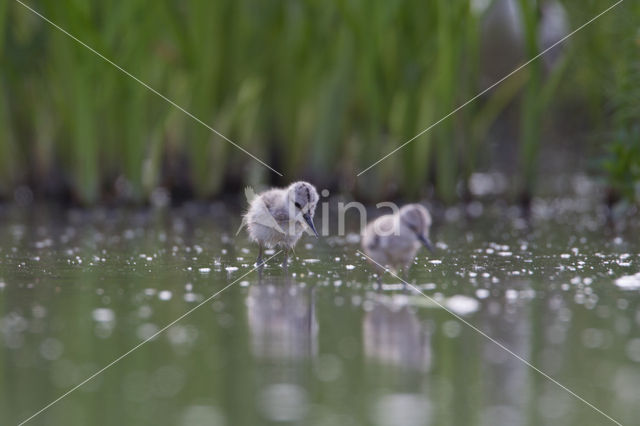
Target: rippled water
column 318, row 344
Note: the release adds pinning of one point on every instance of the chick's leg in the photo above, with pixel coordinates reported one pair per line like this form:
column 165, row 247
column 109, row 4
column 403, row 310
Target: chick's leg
column 259, row 259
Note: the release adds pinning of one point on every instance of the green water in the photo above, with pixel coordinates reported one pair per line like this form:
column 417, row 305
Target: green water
column 316, row 345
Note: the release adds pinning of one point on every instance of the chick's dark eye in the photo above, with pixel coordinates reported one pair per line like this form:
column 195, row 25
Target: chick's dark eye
column 298, row 206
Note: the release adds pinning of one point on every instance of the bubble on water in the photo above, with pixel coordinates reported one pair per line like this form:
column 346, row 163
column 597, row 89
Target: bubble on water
column 622, row 260
column 629, row 282
column 231, row 268
column 283, row 402
column 51, row 349
column 204, row 270
column 192, row 297
column 393, row 287
column 511, row 294
column 462, row 305
column 269, row 252
column 165, row 295
column 405, row 409
column 482, row 293
column 356, row 300
column 622, row 325
column 622, row 304
column 475, row 209
column 167, row 381
column 593, row 338
column 311, row 260
column 39, row 311
column 626, row 382
column 451, row 328
column 103, row 330
column 103, row 315
column 144, row 311
column 44, row 243
column 146, row 330
column 368, row 305
column 504, row 253
column 350, row 267
column 327, row 368
column 202, row 415
column 182, row 335
column 633, row 349
column 435, row 261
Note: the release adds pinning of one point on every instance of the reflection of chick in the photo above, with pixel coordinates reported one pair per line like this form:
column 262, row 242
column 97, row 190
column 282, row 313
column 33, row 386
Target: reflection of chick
column 393, row 334
column 394, row 240
column 278, row 217
column 282, row 320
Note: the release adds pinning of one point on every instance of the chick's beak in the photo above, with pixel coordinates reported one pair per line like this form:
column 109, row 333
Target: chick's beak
column 307, row 219
column 424, row 240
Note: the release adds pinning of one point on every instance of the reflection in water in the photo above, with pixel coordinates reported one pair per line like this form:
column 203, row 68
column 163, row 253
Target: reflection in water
column 506, row 379
column 76, row 296
column 282, row 319
column 394, row 335
column 282, row 327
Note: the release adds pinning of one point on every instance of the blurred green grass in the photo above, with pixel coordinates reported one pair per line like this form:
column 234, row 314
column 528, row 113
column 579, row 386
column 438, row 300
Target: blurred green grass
column 316, row 89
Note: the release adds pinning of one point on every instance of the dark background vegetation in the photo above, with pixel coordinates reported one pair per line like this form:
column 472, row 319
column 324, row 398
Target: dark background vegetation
column 319, row 90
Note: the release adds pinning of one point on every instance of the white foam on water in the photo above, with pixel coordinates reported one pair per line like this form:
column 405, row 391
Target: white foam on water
column 103, row 315
column 165, row 295
column 629, row 282
column 462, row 305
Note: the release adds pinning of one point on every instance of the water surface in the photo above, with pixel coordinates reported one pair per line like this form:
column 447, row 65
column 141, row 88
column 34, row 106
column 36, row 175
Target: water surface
column 317, row 344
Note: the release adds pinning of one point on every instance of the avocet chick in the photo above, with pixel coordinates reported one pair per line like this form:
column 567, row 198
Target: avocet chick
column 278, row 217
column 393, row 240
